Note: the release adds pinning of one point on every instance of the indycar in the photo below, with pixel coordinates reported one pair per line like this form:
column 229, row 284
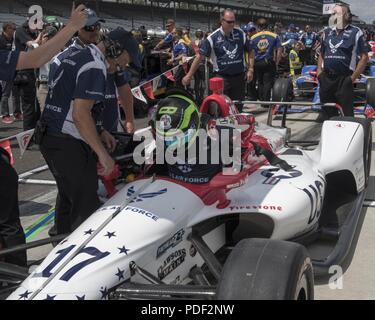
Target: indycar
column 307, row 86
column 240, row 236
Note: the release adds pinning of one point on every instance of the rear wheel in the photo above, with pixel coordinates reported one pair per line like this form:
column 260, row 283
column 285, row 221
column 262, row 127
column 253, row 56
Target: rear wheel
column 263, row 269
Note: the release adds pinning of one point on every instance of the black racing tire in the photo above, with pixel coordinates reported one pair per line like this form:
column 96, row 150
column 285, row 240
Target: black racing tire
column 367, row 146
column 370, row 92
column 263, row 269
column 282, row 90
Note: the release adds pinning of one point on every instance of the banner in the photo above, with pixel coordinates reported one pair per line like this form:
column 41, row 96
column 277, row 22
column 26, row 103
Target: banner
column 137, row 93
column 151, row 85
column 23, row 140
column 148, row 90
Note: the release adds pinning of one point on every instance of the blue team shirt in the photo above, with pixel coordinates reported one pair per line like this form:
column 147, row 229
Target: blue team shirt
column 178, row 49
column 56, row 61
column 111, row 112
column 341, row 50
column 309, row 39
column 168, row 38
column 227, row 53
column 80, row 76
column 291, row 36
column 8, row 64
column 264, row 43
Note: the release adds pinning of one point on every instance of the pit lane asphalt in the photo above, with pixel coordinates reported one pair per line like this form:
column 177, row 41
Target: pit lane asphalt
column 357, row 281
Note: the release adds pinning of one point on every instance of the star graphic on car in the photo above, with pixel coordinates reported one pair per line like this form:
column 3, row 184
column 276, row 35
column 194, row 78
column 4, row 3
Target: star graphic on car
column 123, row 250
column 90, row 231
column 25, row 295
column 104, row 292
column 81, row 298
column 120, row 274
column 50, row 297
column 110, row 234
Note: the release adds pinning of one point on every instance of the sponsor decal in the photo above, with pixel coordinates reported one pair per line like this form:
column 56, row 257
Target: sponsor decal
column 315, row 192
column 256, row 207
column 335, row 47
column 130, row 209
column 170, row 243
column 165, row 122
column 263, row 45
column 144, row 196
column 276, row 174
column 143, row 212
column 192, row 251
column 231, row 54
column 173, row 261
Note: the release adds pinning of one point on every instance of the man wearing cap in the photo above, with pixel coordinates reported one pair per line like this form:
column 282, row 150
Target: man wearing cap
column 90, row 34
column 338, row 66
column 170, row 26
column 69, row 139
column 226, row 47
column 11, row 231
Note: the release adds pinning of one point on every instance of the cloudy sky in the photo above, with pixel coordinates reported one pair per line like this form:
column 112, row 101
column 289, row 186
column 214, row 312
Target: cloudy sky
column 365, row 9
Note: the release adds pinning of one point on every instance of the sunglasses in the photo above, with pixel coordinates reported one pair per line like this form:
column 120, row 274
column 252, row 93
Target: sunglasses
column 92, row 28
column 229, row 22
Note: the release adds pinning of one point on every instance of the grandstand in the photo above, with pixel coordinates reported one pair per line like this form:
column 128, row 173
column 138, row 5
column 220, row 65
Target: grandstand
column 202, row 14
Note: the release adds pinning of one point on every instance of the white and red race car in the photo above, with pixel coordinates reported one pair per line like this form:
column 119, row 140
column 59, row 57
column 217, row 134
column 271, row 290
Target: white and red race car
column 242, row 236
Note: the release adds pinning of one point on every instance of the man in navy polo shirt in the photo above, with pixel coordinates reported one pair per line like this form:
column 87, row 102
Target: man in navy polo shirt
column 226, row 47
column 11, row 231
column 168, row 40
column 344, row 56
column 72, row 146
column 265, row 55
column 309, row 40
column 120, row 79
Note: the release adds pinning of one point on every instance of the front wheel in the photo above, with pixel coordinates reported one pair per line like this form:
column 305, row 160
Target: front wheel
column 263, row 269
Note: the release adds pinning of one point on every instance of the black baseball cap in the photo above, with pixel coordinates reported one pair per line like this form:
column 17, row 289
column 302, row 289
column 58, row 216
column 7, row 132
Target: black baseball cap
column 128, row 43
column 92, row 18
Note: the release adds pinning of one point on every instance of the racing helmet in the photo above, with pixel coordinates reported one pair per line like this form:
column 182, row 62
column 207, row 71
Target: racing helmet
column 176, row 121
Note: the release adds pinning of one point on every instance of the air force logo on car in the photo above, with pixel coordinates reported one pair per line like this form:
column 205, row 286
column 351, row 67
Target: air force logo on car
column 276, row 174
column 144, row 196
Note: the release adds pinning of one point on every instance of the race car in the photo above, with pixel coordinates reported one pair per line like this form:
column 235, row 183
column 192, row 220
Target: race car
column 307, row 87
column 243, row 235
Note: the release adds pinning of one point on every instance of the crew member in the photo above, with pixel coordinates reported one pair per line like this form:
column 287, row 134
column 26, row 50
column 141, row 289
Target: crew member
column 338, row 65
column 226, row 47
column 265, row 55
column 294, row 59
column 309, row 40
column 168, row 40
column 71, row 144
column 11, row 231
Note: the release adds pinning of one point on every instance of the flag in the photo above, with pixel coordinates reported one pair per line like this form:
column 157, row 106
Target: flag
column 23, row 140
column 169, row 75
column 156, row 83
column 5, row 144
column 137, row 93
column 147, row 87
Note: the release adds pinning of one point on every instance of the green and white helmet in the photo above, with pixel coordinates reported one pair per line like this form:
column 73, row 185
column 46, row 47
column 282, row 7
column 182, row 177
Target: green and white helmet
column 176, row 121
